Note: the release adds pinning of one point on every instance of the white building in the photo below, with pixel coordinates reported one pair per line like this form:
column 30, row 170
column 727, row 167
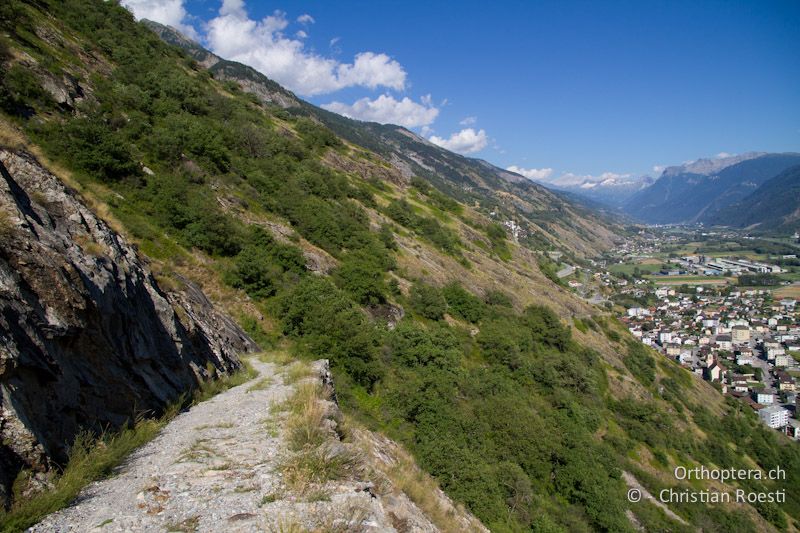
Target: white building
column 765, row 398
column 774, row 416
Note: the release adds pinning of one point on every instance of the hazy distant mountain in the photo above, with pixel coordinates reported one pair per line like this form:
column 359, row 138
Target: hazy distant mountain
column 708, row 166
column 695, row 191
column 773, row 206
column 611, row 191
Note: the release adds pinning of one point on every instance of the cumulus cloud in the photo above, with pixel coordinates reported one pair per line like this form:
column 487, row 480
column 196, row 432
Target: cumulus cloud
column 535, row 174
column 469, row 121
column 723, row 155
column 659, row 168
column 168, row 12
column 263, row 45
column 465, row 141
column 306, row 19
column 388, row 110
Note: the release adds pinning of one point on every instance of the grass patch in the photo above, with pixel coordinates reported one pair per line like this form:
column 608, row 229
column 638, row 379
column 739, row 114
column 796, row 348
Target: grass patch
column 6, row 227
column 297, row 371
column 278, row 357
column 269, row 498
column 318, row 455
column 197, row 451
column 91, row 458
column 261, row 384
column 213, row 386
column 221, row 425
column 185, row 526
column 312, row 466
column 306, row 421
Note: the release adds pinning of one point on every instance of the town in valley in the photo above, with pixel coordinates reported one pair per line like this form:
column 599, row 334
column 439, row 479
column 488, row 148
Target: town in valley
column 723, row 305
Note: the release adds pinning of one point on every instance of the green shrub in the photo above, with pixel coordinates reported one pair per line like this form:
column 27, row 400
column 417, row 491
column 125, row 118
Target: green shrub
column 428, row 301
column 640, row 363
column 462, row 303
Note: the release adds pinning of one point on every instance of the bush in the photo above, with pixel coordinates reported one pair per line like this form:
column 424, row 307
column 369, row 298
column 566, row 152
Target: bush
column 640, row 363
column 462, row 303
column 361, row 275
column 331, row 326
column 428, row 301
column 263, row 264
column 498, row 298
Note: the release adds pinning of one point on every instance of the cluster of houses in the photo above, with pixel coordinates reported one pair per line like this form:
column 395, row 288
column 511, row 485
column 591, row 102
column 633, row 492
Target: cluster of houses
column 744, row 341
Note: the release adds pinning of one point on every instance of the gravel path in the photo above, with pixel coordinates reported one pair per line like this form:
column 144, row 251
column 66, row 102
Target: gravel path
column 217, row 468
column 212, row 468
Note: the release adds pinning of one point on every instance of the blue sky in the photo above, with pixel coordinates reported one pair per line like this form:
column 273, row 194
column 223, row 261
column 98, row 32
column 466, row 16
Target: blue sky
column 556, row 88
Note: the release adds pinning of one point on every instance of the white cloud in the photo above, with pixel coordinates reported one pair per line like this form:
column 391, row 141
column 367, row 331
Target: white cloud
column 723, row 155
column 305, row 18
column 262, row 45
column 465, row 141
column 659, row 168
column 534, row 174
column 301, row 34
column 168, row 12
column 387, row 110
column 469, row 121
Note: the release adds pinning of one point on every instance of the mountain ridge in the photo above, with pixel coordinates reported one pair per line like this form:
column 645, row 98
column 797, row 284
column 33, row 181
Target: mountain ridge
column 774, row 206
column 550, row 217
column 694, row 192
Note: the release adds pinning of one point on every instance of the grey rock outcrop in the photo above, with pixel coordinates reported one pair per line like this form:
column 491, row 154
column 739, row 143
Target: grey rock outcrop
column 88, row 340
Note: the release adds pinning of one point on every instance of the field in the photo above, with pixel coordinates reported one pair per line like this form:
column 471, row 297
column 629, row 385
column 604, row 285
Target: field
column 791, row 291
column 628, row 268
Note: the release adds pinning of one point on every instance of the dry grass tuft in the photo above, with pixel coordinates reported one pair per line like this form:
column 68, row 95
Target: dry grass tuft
column 261, row 384
column 278, row 357
column 297, row 371
column 7, row 228
column 318, row 455
column 306, row 424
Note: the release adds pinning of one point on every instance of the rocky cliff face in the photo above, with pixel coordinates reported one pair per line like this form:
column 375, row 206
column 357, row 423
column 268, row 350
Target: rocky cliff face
column 87, row 338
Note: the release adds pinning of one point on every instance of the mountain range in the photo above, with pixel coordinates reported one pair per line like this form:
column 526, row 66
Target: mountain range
column 697, row 191
column 610, row 190
column 774, row 206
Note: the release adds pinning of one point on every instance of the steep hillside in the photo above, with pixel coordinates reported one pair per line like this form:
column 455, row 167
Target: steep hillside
column 533, row 409
column 89, row 340
column 693, row 193
column 545, row 217
column 775, row 205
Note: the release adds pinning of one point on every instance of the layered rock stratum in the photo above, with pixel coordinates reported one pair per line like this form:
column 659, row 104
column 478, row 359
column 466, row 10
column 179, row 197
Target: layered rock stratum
column 88, row 339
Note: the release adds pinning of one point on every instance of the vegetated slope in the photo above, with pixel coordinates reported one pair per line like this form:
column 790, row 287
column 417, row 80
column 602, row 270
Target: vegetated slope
column 775, row 205
column 696, row 193
column 525, row 403
column 547, row 218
